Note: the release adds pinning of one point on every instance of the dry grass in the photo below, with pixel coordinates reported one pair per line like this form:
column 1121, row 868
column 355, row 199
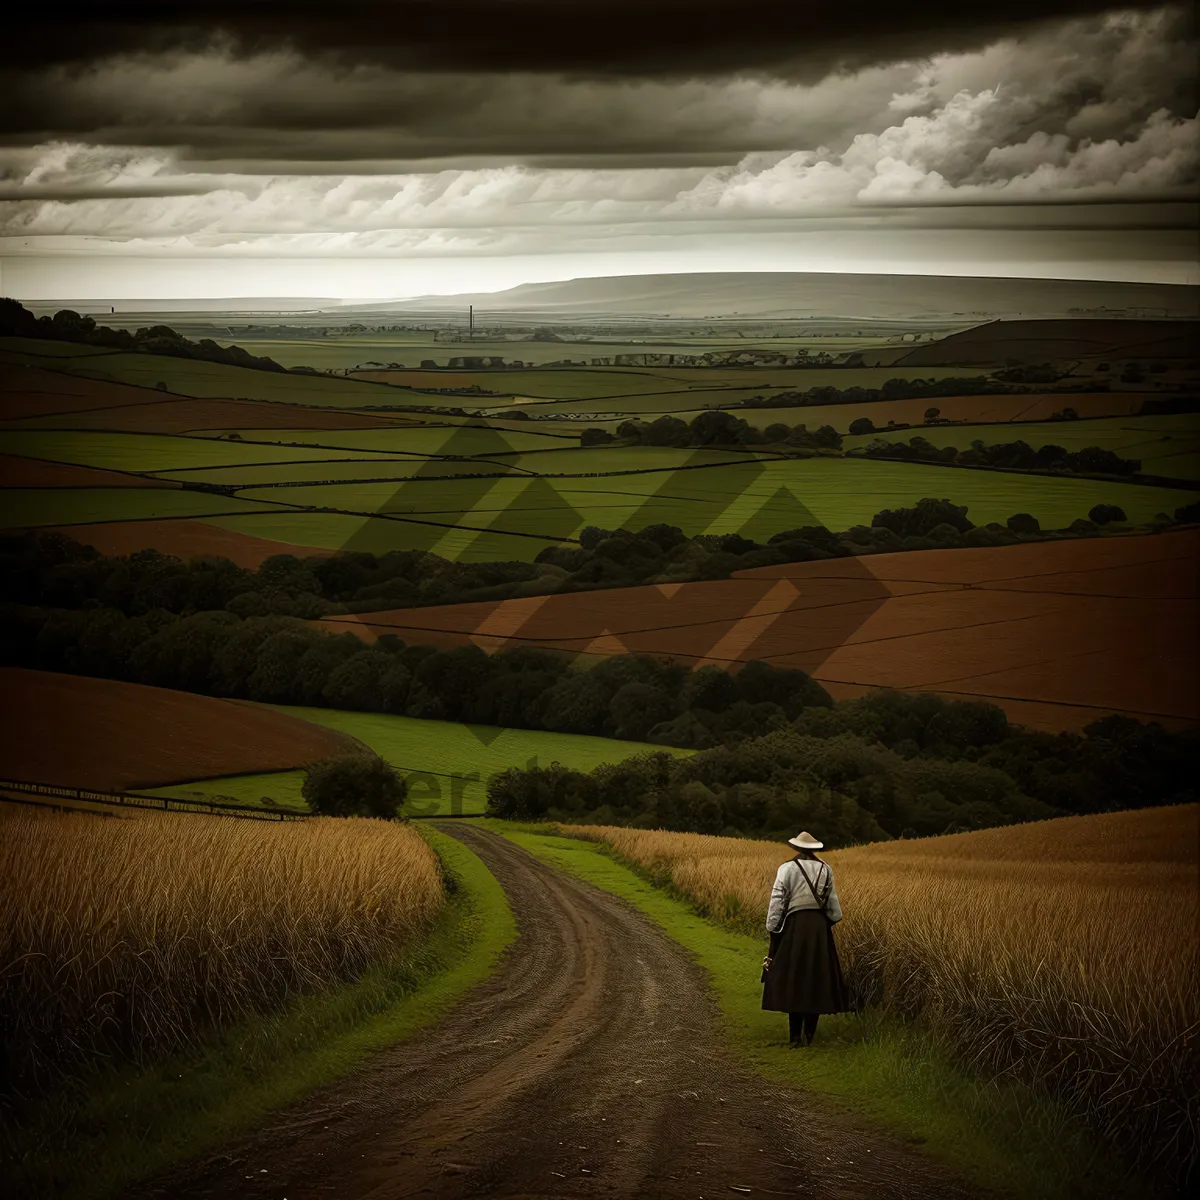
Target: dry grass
column 1063, row 952
column 131, row 937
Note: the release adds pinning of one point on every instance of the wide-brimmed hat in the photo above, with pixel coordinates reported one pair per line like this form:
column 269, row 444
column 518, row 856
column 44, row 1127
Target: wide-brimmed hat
column 805, row 841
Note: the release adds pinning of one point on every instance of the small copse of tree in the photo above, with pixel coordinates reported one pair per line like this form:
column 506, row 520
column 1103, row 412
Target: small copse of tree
column 1018, row 455
column 354, row 785
column 69, row 326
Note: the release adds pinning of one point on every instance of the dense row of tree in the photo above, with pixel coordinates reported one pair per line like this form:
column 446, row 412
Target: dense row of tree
column 893, row 389
column 721, row 427
column 69, row 326
column 283, row 660
column 889, row 764
column 774, row 747
column 714, row 427
column 1020, row 455
column 54, row 571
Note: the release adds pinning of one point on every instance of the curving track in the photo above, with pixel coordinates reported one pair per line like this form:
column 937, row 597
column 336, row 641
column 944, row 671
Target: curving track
column 589, row 1064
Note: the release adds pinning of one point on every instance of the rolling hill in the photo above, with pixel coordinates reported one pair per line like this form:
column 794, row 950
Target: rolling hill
column 812, row 294
column 1001, row 342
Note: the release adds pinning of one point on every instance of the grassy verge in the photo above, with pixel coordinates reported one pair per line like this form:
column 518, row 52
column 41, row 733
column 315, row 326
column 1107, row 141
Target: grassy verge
column 1001, row 1136
column 108, row 1131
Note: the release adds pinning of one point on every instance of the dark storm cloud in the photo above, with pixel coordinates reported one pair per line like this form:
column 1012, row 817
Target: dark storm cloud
column 522, row 127
column 590, row 37
column 143, row 191
column 278, row 110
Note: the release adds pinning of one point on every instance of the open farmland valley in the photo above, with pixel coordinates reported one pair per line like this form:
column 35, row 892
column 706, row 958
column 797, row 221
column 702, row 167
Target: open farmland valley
column 407, row 723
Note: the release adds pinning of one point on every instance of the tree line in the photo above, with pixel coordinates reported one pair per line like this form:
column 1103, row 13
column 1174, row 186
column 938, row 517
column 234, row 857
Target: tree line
column 892, row 389
column 54, row 571
column 713, row 427
column 775, row 750
column 720, row 427
column 889, row 764
column 1018, row 455
column 69, row 326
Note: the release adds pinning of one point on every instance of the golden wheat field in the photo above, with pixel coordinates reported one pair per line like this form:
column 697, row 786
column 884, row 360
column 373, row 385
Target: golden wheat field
column 1063, row 951
column 129, row 937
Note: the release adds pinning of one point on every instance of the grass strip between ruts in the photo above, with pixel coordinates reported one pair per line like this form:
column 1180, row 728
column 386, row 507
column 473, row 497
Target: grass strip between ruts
column 102, row 1134
column 1001, row 1136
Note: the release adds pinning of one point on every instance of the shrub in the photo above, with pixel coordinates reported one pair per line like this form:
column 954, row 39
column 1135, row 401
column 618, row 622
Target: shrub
column 354, row 785
column 925, row 515
column 1102, row 514
column 1024, row 523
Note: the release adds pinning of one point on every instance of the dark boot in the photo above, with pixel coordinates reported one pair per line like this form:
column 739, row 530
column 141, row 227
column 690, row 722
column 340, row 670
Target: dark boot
column 810, row 1026
column 796, row 1028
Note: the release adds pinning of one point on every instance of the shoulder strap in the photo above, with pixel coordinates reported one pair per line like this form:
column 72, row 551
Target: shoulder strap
column 817, row 899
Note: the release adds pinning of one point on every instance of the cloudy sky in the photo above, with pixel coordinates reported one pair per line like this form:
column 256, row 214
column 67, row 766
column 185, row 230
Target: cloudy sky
column 371, row 148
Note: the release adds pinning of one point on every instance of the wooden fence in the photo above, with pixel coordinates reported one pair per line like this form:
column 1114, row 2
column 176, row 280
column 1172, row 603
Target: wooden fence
column 48, row 793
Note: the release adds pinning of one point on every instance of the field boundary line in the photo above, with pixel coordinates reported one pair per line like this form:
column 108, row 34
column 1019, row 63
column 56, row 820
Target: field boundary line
column 50, row 792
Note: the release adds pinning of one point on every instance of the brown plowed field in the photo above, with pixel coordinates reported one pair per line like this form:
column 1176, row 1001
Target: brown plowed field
column 81, row 732
column 1034, row 406
column 1057, row 633
column 1047, row 340
column 17, row 472
column 30, row 392
column 184, row 539
column 183, row 415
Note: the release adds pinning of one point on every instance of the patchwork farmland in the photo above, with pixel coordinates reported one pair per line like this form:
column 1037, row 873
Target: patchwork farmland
column 644, row 602
column 126, row 452
column 1055, row 633
column 124, row 736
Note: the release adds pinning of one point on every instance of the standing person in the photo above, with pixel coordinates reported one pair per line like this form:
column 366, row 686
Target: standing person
column 801, row 973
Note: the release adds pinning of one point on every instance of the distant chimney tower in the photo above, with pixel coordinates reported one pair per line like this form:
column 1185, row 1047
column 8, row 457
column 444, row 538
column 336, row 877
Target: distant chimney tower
column 470, row 320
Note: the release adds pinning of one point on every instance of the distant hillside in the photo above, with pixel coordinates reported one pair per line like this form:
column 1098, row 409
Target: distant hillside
column 233, row 304
column 796, row 294
column 1050, row 341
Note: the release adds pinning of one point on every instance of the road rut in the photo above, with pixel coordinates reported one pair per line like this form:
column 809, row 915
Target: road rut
column 590, row 1063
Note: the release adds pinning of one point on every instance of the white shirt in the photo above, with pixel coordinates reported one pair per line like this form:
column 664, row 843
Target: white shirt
column 791, row 893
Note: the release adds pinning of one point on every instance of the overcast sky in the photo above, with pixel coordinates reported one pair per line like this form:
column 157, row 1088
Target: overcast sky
column 372, row 149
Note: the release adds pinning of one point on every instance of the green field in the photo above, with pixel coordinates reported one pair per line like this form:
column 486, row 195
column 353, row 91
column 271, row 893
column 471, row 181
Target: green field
column 755, row 499
column 448, row 765
column 412, row 347
column 623, row 459
column 164, row 452
column 1166, row 445
column 421, row 439
column 274, row 789
column 544, row 382
column 395, row 467
column 719, row 385
column 473, row 492
column 44, row 348
column 376, row 535
column 191, row 377
column 30, row 507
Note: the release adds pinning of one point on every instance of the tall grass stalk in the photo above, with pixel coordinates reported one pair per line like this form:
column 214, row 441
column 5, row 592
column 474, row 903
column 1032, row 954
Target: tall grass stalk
column 124, row 939
column 1063, row 952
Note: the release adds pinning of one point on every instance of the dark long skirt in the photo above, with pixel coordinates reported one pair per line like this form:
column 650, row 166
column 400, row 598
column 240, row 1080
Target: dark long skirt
column 805, row 975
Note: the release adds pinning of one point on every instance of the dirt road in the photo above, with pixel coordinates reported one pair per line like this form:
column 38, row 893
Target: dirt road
column 589, row 1064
